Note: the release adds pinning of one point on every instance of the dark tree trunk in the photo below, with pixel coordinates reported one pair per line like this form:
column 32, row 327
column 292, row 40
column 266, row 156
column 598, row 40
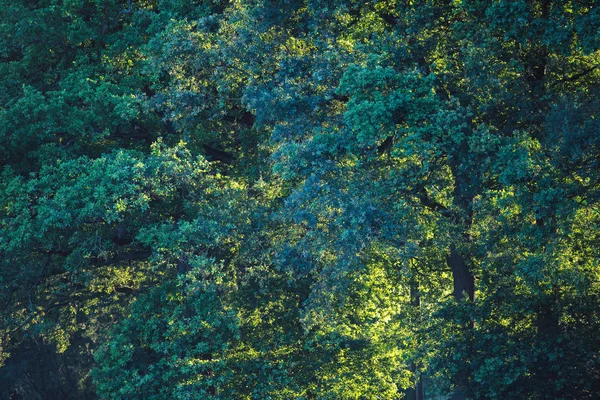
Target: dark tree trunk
column 415, row 393
column 464, row 282
column 464, row 285
column 464, row 192
column 465, row 188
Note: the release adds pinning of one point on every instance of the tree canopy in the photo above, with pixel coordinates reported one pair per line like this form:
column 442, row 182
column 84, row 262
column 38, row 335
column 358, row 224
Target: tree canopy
column 276, row 199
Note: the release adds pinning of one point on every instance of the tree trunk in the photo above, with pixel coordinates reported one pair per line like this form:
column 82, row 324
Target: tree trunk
column 416, row 392
column 464, row 282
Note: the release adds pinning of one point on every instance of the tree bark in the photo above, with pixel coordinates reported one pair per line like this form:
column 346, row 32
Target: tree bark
column 465, row 188
column 464, row 285
column 464, row 282
column 416, row 392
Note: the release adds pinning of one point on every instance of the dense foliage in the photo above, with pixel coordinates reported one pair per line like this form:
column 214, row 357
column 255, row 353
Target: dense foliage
column 300, row 199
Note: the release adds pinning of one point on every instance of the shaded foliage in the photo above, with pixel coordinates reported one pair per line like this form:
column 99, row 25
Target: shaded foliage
column 308, row 200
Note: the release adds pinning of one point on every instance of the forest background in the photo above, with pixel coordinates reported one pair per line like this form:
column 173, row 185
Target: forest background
column 313, row 199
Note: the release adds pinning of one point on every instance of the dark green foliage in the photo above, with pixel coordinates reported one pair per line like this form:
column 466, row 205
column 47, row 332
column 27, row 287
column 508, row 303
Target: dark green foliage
column 174, row 345
column 299, row 199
